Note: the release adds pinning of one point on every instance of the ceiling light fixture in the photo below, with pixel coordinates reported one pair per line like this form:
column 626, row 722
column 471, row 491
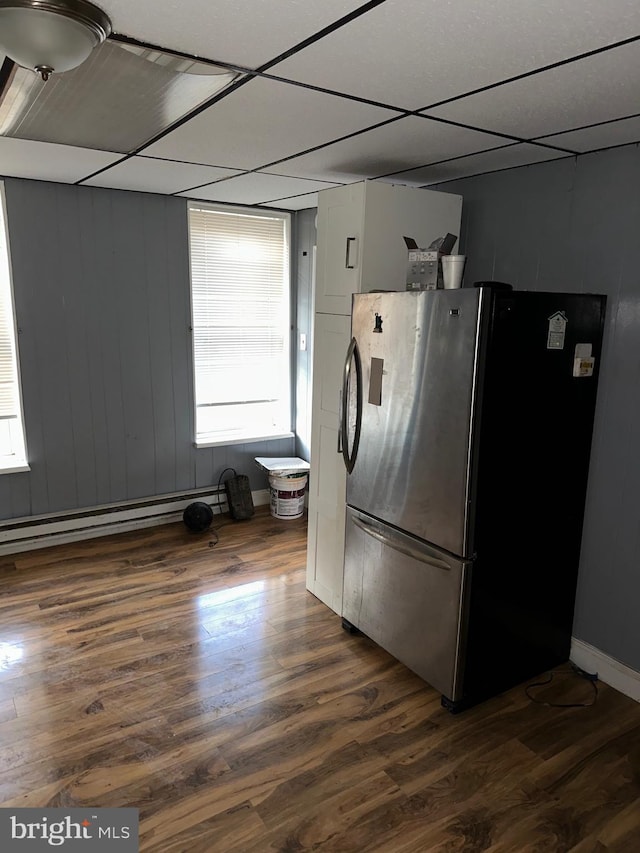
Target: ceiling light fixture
column 51, row 35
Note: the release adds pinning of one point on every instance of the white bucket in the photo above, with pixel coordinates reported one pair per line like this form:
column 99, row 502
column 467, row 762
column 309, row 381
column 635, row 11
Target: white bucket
column 287, row 495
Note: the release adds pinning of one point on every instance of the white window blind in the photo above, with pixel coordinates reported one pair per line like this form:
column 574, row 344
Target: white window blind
column 12, row 447
column 240, row 296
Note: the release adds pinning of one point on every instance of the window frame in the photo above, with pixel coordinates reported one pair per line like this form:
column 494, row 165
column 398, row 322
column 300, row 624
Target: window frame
column 23, row 464
column 285, row 216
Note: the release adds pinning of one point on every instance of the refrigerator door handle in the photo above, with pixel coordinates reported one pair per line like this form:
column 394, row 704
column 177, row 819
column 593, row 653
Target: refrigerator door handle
column 353, row 355
column 401, row 547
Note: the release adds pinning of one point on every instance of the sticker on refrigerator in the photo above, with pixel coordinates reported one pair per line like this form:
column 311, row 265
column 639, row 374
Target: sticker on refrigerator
column 583, row 351
column 375, row 381
column 557, row 330
column 583, row 366
column 583, row 363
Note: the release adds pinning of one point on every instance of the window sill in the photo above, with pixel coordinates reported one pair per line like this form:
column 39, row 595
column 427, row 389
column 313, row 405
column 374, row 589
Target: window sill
column 254, row 439
column 15, row 469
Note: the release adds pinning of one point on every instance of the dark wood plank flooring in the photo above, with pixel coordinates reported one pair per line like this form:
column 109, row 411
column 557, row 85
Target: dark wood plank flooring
column 203, row 685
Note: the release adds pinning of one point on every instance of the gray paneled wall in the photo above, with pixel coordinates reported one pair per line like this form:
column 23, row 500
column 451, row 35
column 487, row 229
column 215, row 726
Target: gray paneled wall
column 573, row 225
column 101, row 283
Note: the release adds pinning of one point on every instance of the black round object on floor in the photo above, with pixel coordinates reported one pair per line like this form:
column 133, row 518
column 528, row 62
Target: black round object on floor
column 198, row 516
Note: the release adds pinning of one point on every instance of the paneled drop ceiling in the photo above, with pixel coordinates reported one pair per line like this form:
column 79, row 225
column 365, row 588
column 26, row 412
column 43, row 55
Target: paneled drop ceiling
column 292, row 96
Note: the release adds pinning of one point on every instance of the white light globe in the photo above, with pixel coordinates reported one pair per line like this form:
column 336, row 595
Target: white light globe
column 36, row 35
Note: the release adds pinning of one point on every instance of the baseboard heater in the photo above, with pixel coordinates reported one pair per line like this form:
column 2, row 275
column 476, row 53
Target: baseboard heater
column 41, row 531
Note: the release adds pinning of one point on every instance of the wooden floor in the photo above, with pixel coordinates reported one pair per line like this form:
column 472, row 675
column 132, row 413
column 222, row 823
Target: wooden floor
column 203, row 685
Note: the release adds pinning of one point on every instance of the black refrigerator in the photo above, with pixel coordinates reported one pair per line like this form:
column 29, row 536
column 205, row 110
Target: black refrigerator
column 466, row 429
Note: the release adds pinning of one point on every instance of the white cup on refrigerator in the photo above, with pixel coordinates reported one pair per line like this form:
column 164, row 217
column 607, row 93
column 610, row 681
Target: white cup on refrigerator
column 452, row 270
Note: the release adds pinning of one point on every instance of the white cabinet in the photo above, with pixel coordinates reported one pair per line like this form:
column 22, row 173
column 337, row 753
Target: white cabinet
column 360, row 248
column 360, row 237
column 340, row 216
column 327, row 486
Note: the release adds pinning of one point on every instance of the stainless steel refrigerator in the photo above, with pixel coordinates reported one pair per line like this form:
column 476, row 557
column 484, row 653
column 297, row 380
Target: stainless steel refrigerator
column 466, row 430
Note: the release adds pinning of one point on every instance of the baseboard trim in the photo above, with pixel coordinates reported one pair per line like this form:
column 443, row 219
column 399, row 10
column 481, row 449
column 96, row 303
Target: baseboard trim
column 611, row 671
column 30, row 533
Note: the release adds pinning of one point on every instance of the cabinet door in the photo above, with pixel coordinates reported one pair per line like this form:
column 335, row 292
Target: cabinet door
column 339, row 262
column 327, row 478
column 393, row 212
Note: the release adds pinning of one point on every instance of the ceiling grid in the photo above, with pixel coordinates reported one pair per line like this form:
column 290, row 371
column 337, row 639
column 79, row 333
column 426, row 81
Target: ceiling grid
column 318, row 95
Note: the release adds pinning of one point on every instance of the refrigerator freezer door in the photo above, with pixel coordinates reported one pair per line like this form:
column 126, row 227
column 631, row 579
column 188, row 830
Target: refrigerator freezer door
column 409, row 598
column 419, row 365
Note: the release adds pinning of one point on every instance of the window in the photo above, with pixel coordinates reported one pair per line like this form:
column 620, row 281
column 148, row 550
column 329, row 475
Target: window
column 240, row 298
column 12, row 447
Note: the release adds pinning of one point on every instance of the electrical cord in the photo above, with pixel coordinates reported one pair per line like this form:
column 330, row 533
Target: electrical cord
column 214, row 535
column 214, row 538
column 219, row 502
column 591, row 677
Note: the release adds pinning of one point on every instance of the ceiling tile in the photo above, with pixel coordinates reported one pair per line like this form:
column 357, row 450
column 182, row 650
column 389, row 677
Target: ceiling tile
column 297, row 202
column 47, row 161
column 601, row 136
column 249, row 32
column 412, row 54
column 148, row 174
column 395, row 147
column 597, row 88
column 264, row 121
column 256, row 189
column 475, row 164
